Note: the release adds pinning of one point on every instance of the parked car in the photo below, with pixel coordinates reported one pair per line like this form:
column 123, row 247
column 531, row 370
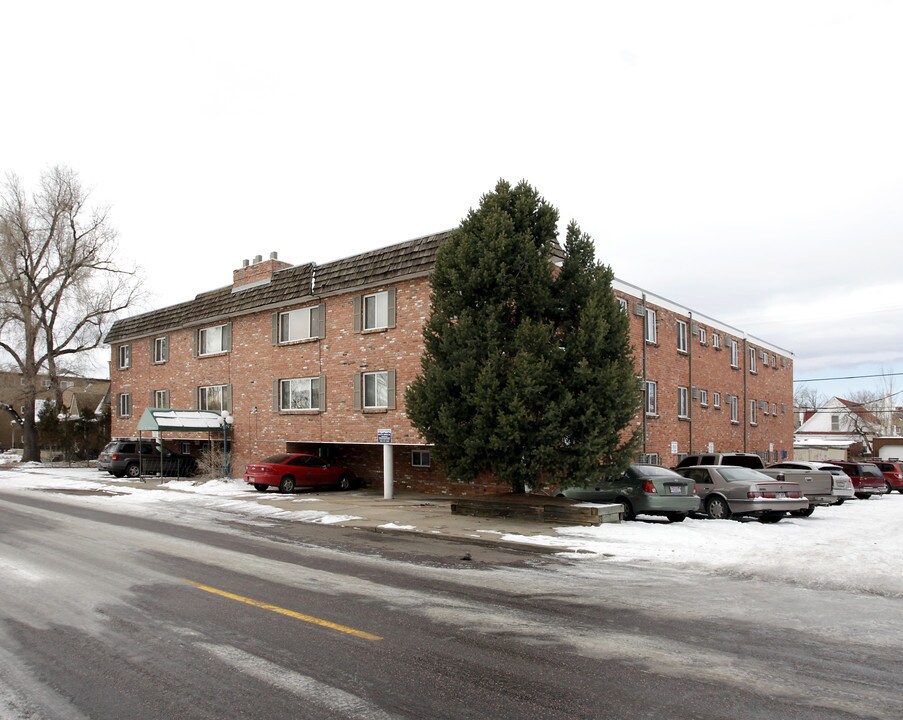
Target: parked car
column 841, row 485
column 642, row 490
column 867, row 479
column 133, row 458
column 893, row 474
column 818, row 486
column 731, row 491
column 288, row 471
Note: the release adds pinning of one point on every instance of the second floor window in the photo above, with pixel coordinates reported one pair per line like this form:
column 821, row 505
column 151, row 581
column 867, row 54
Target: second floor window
column 716, row 399
column 702, row 336
column 651, row 398
column 299, row 394
column 683, row 402
column 161, row 399
column 651, row 331
column 302, row 324
column 374, row 390
column 734, row 402
column 752, row 360
column 125, row 405
column 704, row 398
column 735, row 354
column 125, row 357
column 716, row 341
column 753, row 412
column 215, row 398
column 213, row 340
column 161, row 350
column 681, row 336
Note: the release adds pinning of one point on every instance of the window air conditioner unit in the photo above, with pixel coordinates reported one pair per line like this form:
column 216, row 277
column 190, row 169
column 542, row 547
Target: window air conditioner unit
column 639, row 309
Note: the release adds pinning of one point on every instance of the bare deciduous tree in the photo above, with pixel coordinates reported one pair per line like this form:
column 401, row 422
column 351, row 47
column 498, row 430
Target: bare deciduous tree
column 60, row 285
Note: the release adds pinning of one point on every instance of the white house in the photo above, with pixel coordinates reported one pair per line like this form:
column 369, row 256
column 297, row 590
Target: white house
column 837, row 430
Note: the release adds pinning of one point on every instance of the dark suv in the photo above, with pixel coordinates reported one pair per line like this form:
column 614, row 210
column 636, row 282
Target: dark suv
column 867, row 479
column 133, row 458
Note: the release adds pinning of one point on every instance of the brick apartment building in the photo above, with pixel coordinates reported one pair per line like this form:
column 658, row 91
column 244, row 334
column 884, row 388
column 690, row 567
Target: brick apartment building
column 317, row 358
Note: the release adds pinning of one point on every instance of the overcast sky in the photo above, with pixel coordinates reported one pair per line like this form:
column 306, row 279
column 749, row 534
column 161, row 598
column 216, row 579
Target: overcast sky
column 744, row 159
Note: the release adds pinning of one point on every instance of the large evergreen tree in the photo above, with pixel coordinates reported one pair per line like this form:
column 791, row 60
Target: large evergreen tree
column 526, row 372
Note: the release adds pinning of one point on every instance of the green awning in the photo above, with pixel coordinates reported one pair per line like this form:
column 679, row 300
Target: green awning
column 159, row 420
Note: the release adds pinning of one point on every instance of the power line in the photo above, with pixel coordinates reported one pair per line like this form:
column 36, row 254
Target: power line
column 850, row 377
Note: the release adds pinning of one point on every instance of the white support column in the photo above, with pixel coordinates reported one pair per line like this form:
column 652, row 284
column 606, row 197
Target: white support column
column 388, row 472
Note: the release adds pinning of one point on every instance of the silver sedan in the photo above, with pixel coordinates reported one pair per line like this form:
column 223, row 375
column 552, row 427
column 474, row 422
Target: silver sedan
column 729, row 491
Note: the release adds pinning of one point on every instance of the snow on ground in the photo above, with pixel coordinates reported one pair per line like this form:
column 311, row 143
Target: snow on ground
column 854, row 547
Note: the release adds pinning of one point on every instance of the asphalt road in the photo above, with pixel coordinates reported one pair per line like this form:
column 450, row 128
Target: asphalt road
column 104, row 615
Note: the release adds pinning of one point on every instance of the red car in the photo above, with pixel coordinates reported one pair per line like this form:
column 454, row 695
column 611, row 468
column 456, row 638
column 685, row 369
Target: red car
column 867, row 479
column 290, row 470
column 893, row 474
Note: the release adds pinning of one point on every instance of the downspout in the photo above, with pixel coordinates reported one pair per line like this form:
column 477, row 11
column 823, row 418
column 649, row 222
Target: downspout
column 744, row 368
column 645, row 386
column 690, row 337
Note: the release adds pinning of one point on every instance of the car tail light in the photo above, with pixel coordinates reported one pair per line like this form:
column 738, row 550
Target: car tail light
column 114, row 456
column 649, row 487
column 794, row 493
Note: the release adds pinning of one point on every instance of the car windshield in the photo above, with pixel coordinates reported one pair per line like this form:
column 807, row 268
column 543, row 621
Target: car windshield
column 742, row 474
column 276, row 459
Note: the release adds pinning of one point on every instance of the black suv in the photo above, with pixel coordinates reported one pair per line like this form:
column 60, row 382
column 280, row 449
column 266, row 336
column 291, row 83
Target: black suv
column 132, row 458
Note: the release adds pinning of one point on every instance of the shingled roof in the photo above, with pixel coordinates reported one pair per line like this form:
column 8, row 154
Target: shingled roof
column 414, row 258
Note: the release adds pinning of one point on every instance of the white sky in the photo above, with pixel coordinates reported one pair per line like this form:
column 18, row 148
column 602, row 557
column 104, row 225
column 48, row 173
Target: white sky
column 743, row 159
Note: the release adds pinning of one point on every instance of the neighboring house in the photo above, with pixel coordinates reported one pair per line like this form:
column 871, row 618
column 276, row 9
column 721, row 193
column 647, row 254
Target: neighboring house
column 78, row 392
column 838, row 430
column 317, row 358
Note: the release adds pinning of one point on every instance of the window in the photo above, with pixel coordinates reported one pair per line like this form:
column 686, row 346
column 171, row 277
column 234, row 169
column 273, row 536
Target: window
column 753, row 412
column 683, row 402
column 649, row 458
column 375, row 311
column 774, row 361
column 716, row 399
column 125, row 357
column 735, row 354
column 66, row 384
column 752, row 360
column 704, row 398
column 302, row 324
column 835, row 423
column 161, row 350
column 622, row 304
column 765, row 407
column 214, row 397
column 651, row 398
column 651, row 332
column 125, row 405
column 161, row 399
column 735, row 408
column 420, row 458
column 716, row 341
column 774, row 408
column 214, row 340
column 702, row 336
column 374, row 390
column 681, row 336
column 299, row 394
column 764, row 356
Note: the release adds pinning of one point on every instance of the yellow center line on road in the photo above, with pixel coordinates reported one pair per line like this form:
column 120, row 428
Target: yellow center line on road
column 284, row 611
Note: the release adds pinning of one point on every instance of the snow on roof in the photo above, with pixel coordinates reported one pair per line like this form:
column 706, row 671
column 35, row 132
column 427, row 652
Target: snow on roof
column 186, row 420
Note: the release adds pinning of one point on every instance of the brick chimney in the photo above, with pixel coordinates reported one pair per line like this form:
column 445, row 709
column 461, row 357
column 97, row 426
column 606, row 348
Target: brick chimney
column 257, row 272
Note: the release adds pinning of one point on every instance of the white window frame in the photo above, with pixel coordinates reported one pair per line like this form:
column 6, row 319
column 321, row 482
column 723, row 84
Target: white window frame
column 835, row 423
column 296, row 325
column 203, row 340
column 753, row 357
column 373, row 384
column 300, row 388
column 375, row 311
column 622, row 304
column 683, row 402
column 716, row 400
column 681, row 336
column 774, row 409
column 716, row 341
column 125, row 404
column 125, row 357
column 161, row 399
column 420, row 458
column 651, row 391
column 651, row 331
column 702, row 336
column 206, row 391
column 704, row 398
column 734, row 403
column 161, row 350
column 735, row 354
column 753, row 412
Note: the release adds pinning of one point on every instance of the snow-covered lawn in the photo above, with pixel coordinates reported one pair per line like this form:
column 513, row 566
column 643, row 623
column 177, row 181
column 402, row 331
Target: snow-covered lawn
column 855, row 547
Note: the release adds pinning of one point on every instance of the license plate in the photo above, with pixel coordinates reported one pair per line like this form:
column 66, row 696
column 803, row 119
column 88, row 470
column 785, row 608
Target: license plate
column 780, row 495
column 676, row 490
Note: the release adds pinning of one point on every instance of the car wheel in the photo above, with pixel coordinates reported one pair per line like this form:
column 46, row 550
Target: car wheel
column 771, row 517
column 676, row 517
column 863, row 496
column 717, row 509
column 841, row 501
column 287, row 484
column 805, row 512
column 260, row 487
column 344, row 483
column 889, row 488
column 117, row 475
column 132, row 470
column 627, row 513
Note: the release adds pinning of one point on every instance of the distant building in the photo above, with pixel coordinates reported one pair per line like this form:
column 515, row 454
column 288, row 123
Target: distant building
column 838, row 430
column 316, row 358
